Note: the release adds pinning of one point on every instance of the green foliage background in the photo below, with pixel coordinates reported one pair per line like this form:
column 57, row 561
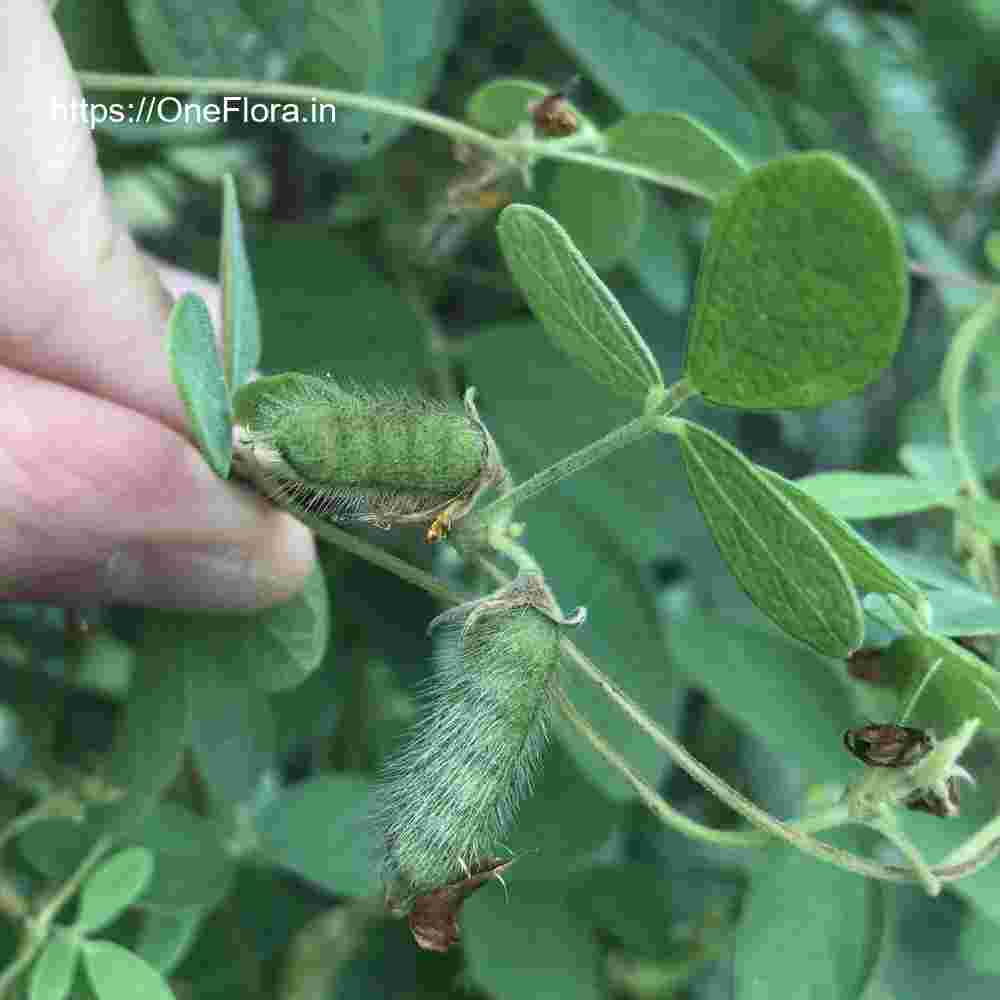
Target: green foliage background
column 248, row 750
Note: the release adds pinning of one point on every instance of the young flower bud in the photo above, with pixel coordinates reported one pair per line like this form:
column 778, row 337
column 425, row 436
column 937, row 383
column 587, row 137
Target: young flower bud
column 385, row 458
column 448, row 797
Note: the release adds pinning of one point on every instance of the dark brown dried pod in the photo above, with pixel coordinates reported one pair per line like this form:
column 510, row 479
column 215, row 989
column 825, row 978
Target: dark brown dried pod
column 884, row 744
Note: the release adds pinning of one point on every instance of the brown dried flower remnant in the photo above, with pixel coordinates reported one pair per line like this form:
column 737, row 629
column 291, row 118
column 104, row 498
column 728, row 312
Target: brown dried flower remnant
column 434, row 916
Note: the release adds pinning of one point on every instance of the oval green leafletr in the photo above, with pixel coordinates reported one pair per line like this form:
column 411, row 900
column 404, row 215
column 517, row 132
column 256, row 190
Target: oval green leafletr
column 802, row 293
column 574, row 306
column 677, row 145
column 782, row 562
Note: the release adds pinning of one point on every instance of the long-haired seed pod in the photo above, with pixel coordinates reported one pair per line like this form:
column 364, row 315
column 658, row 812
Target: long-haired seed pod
column 349, row 454
column 448, row 797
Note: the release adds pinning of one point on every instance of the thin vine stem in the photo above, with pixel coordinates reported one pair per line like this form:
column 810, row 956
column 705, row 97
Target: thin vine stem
column 672, row 817
column 757, row 816
column 458, row 131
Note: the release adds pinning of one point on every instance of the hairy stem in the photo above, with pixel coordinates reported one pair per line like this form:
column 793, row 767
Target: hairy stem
column 596, row 451
column 515, row 148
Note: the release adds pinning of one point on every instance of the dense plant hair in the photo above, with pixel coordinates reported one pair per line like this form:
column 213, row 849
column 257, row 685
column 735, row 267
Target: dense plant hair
column 382, row 456
column 449, row 796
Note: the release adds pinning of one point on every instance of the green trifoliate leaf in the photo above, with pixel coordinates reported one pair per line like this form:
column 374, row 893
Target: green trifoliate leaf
column 116, row 974
column 574, row 306
column 802, row 293
column 240, row 321
column 782, row 562
column 866, row 567
column 52, row 976
column 118, row 883
column 859, row 495
column 677, row 145
column 197, row 373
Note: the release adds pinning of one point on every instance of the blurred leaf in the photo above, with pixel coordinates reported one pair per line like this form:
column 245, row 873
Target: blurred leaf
column 575, row 307
column 787, row 695
column 932, row 462
column 782, row 562
column 649, row 59
column 630, row 901
column 327, row 310
column 320, row 830
column 112, row 888
column 252, row 39
column 956, row 370
column 564, row 820
column 98, row 36
column 978, row 943
column 941, row 258
column 984, row 514
column 923, row 960
column 53, row 972
column 57, row 847
column 153, row 734
column 964, row 612
column 863, row 562
column 861, row 495
column 272, row 649
column 677, row 145
column 232, row 732
column 904, row 105
column 533, row 938
column 240, row 322
column 962, row 687
column 802, row 293
column 957, row 607
column 117, row 974
column 662, row 260
column 991, row 248
column 166, row 937
column 923, row 423
column 15, row 740
column 499, row 106
column 197, row 374
column 602, row 212
column 809, row 929
column 193, row 863
column 384, row 48
column 596, row 533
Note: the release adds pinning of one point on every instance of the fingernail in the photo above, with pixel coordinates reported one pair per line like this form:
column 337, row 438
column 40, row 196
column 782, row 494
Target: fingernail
column 219, row 577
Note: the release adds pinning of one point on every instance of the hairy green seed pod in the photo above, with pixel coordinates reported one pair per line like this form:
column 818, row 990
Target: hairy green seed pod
column 351, row 454
column 448, row 797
